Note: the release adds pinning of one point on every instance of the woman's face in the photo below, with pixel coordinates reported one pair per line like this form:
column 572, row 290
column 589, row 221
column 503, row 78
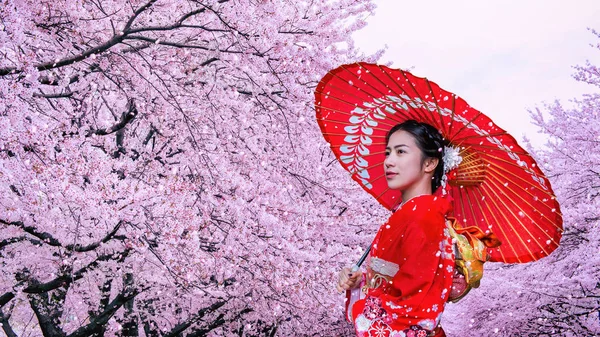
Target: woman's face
column 403, row 161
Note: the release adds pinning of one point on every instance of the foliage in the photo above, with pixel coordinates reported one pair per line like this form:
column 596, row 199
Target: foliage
column 160, row 173
column 558, row 295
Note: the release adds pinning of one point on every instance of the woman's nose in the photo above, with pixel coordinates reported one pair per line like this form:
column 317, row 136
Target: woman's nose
column 387, row 162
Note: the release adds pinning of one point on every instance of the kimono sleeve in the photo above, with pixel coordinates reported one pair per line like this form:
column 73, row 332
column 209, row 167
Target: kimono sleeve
column 417, row 254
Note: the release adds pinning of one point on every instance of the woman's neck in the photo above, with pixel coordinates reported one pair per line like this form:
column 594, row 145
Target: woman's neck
column 415, row 192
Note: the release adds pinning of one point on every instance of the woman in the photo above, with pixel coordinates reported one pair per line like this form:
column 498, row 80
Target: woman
column 411, row 264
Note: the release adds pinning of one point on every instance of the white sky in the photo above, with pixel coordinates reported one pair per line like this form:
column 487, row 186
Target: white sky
column 502, row 57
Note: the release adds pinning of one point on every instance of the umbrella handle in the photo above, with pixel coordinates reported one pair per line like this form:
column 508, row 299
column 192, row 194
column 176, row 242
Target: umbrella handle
column 361, row 260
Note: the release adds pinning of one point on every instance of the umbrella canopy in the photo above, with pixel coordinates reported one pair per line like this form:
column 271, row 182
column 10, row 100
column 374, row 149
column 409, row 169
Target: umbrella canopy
column 497, row 187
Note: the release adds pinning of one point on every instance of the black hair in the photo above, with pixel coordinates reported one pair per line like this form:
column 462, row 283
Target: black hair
column 430, row 142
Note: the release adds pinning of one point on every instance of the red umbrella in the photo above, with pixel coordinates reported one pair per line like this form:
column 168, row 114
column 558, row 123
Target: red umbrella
column 496, row 187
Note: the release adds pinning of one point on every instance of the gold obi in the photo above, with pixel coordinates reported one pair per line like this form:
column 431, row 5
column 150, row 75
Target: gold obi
column 471, row 245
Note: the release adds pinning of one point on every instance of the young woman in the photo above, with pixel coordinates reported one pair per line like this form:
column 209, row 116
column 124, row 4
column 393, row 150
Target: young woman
column 411, row 263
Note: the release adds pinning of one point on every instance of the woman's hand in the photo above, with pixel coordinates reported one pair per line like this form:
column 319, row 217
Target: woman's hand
column 348, row 280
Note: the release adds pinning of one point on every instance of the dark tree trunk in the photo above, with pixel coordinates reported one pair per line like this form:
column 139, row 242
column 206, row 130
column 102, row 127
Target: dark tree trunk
column 130, row 319
column 6, row 325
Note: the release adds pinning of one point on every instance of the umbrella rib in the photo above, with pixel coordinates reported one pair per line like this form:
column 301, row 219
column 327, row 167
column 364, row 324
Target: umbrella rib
column 544, row 250
column 425, row 112
column 376, row 78
column 500, row 133
column 523, row 180
column 380, row 143
column 496, row 148
column 473, row 170
column 469, row 203
column 501, row 229
column 365, row 82
column 470, row 171
column 350, row 94
column 382, row 193
column 450, row 128
column 331, row 85
column 365, row 156
column 485, row 218
column 368, row 85
column 402, row 90
column 346, row 70
column 369, row 167
column 498, row 183
column 376, row 179
column 345, row 134
column 351, row 124
column 378, row 197
column 344, row 113
column 503, row 215
column 392, row 117
column 437, row 105
column 495, row 215
column 519, row 221
column 491, row 167
column 510, row 162
column 378, row 152
column 479, row 113
column 460, row 192
column 468, row 154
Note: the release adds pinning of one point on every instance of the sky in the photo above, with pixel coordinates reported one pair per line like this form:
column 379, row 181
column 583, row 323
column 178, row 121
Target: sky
column 502, row 57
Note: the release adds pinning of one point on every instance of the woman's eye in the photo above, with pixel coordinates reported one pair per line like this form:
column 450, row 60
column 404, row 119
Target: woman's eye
column 387, row 153
column 399, row 151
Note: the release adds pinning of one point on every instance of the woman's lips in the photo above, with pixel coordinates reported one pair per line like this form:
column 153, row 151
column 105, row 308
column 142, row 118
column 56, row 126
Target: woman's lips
column 390, row 175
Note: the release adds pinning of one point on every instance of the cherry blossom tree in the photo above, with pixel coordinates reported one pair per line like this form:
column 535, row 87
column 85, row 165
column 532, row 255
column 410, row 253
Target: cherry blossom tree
column 558, row 295
column 161, row 173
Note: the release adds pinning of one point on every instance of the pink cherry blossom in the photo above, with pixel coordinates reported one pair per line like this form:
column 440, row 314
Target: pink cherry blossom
column 558, row 295
column 161, row 171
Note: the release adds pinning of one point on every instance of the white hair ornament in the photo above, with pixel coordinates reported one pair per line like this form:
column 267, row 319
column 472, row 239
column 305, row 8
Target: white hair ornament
column 451, row 160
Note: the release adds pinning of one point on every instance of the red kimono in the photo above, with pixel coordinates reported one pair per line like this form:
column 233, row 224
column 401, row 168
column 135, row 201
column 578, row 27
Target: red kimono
column 409, row 273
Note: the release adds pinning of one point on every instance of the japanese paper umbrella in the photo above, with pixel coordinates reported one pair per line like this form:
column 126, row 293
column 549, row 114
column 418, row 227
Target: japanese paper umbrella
column 497, row 186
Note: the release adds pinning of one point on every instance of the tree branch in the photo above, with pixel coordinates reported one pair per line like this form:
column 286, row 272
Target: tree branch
column 129, row 320
column 49, row 239
column 172, row 44
column 136, row 14
column 116, row 39
column 44, row 236
column 61, row 95
column 217, row 322
column 298, row 32
column 9, row 241
column 99, row 321
column 68, row 278
column 6, row 297
column 47, row 315
column 6, row 325
column 178, row 24
column 80, row 249
column 69, row 60
column 39, row 294
column 178, row 329
column 126, row 117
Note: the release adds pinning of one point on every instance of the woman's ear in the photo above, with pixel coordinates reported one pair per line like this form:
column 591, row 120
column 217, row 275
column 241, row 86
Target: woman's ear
column 430, row 164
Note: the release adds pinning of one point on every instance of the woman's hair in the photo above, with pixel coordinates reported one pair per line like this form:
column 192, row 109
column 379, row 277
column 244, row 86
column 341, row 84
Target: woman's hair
column 430, row 142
